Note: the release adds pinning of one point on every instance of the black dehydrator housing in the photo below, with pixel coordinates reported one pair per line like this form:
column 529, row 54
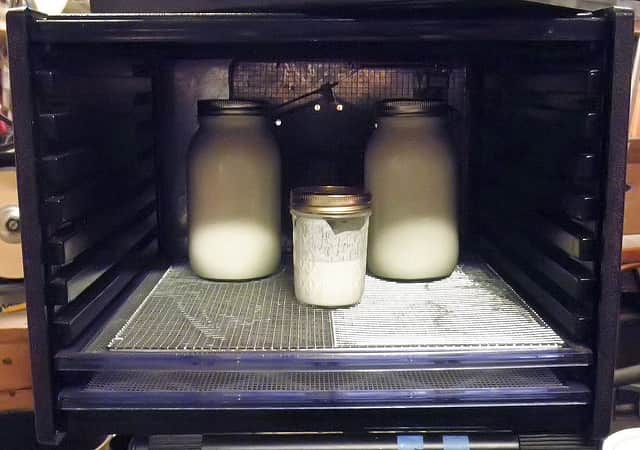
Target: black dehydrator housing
column 515, row 350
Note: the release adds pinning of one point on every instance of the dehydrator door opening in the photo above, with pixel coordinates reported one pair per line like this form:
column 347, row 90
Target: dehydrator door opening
column 505, row 330
column 544, row 242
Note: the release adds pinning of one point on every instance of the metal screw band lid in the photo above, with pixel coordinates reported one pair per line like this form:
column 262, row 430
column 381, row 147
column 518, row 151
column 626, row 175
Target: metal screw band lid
column 216, row 107
column 331, row 201
column 394, row 107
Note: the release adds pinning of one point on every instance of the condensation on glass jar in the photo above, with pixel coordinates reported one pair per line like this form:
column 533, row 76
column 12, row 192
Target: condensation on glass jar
column 234, row 192
column 330, row 225
column 410, row 170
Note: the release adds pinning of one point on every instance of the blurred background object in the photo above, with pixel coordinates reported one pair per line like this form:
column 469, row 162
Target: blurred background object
column 53, row 7
column 47, row 6
column 15, row 365
column 10, row 248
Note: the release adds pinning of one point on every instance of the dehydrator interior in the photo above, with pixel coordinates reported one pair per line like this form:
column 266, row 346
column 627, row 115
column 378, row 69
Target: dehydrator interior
column 134, row 336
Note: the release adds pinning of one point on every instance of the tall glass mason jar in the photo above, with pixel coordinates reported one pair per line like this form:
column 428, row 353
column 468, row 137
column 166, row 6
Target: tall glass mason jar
column 410, row 170
column 234, row 192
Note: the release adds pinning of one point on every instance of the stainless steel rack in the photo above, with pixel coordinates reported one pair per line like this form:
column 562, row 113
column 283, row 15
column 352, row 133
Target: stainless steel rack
column 473, row 310
column 276, row 390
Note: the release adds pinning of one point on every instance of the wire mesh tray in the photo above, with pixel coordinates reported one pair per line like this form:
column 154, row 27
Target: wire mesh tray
column 212, row 390
column 474, row 310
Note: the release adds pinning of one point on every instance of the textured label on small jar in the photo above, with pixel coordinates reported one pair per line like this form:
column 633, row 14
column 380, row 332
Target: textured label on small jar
column 331, row 239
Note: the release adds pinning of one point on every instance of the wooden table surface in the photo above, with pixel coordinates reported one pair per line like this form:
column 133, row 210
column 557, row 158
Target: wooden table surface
column 15, row 364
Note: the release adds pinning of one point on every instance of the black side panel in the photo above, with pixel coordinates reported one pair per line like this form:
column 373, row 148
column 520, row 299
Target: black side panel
column 96, row 164
column 32, row 245
column 621, row 53
column 538, row 178
column 86, row 172
column 71, row 321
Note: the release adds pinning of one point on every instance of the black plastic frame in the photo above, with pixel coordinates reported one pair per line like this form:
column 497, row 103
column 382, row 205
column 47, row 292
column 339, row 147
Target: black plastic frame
column 294, row 28
column 121, row 6
column 31, row 227
column 616, row 141
column 149, row 421
column 613, row 26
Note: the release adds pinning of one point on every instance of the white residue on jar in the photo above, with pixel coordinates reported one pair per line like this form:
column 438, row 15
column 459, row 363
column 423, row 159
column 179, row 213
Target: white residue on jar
column 329, row 260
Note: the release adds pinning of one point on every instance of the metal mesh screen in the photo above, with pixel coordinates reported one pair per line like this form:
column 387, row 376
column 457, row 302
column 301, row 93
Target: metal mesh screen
column 322, row 381
column 361, row 84
column 474, row 310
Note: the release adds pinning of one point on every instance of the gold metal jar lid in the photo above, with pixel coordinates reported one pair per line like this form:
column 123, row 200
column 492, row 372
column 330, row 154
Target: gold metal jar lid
column 331, row 201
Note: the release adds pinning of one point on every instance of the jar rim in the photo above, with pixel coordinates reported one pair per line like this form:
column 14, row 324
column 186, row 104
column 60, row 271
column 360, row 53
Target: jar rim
column 407, row 106
column 223, row 107
column 332, row 201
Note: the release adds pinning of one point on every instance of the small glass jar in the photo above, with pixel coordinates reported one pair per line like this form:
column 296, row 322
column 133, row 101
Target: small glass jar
column 330, row 225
